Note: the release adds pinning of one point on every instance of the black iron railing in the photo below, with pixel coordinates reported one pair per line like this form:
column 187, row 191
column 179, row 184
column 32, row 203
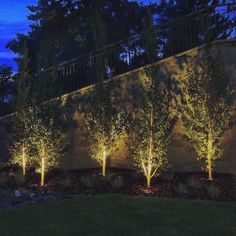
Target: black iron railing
column 168, row 39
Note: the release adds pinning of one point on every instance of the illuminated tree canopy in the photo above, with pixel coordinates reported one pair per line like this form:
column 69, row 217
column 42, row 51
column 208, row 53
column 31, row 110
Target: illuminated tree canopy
column 150, row 122
column 47, row 144
column 207, row 109
column 21, row 139
column 36, row 141
column 103, row 119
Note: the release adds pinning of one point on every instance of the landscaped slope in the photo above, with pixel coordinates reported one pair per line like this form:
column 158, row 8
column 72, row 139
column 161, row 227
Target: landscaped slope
column 121, row 215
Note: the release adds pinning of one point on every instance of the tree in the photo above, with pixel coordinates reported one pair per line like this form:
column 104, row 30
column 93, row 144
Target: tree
column 207, row 109
column 35, row 141
column 7, row 89
column 99, row 39
column 149, row 123
column 186, row 33
column 103, row 120
column 86, row 26
column 150, row 37
column 23, row 83
column 47, row 144
column 21, row 139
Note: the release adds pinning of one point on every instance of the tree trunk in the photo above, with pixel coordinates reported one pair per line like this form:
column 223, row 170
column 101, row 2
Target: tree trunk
column 104, row 159
column 149, row 167
column 210, row 169
column 42, row 172
column 209, row 153
column 42, row 178
column 104, row 167
column 43, row 167
column 23, row 161
column 148, row 178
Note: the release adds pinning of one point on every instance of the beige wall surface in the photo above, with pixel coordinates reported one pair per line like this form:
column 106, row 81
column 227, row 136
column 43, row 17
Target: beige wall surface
column 181, row 156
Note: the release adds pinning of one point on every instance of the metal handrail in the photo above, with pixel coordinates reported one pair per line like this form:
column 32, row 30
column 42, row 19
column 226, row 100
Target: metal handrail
column 200, row 11
column 173, row 37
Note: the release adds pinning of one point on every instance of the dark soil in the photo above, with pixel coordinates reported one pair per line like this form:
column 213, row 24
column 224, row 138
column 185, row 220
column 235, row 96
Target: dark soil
column 62, row 185
column 134, row 183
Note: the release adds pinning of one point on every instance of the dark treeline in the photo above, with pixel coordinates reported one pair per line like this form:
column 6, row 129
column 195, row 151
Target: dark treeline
column 64, row 29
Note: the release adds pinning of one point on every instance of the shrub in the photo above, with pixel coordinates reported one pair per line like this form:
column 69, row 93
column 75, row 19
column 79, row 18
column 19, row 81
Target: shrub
column 194, row 183
column 135, row 175
column 168, row 176
column 213, row 191
column 118, row 183
column 20, row 180
column 3, row 179
column 181, row 189
column 107, row 178
column 66, row 182
column 87, row 181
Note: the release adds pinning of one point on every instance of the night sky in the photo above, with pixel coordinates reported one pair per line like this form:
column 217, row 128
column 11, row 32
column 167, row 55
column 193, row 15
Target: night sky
column 13, row 20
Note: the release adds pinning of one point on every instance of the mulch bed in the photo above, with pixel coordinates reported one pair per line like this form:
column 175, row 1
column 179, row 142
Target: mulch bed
column 134, row 183
column 62, row 185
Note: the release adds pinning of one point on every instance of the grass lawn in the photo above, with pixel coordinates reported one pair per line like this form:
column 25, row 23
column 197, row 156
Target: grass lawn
column 121, row 215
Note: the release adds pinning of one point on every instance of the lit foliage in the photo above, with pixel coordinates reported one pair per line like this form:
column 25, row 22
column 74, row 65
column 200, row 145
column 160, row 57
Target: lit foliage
column 46, row 144
column 20, row 156
column 103, row 121
column 206, row 112
column 35, row 141
column 149, row 123
column 21, row 139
